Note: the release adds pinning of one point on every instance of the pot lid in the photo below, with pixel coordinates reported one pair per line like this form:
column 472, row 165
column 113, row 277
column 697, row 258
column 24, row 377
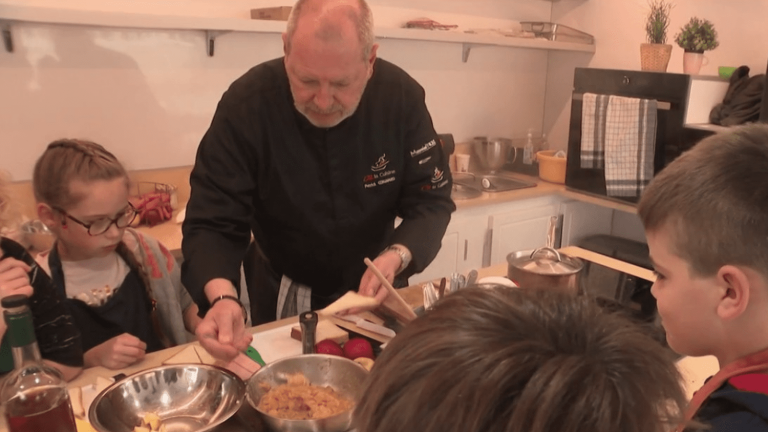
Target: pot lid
column 548, row 261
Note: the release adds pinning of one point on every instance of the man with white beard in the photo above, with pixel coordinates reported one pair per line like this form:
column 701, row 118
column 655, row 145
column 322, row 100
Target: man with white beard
column 315, row 154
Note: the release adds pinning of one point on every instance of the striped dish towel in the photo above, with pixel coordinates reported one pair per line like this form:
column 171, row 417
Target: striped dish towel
column 593, row 113
column 630, row 135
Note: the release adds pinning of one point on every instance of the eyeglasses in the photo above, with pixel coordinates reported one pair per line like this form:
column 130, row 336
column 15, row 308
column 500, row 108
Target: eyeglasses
column 101, row 226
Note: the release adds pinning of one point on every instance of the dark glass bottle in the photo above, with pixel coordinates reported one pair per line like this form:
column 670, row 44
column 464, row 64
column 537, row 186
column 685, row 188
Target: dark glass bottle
column 34, row 394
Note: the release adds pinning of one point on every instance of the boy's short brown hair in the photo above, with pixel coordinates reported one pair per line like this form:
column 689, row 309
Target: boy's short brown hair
column 713, row 202
column 516, row 360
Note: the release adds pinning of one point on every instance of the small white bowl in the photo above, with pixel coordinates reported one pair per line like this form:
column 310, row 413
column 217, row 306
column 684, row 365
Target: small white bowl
column 497, row 280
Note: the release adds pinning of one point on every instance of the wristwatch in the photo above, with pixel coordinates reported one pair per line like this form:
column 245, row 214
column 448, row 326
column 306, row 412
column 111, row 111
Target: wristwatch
column 404, row 253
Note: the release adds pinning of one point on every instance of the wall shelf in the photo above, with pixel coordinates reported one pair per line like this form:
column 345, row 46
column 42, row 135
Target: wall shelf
column 216, row 26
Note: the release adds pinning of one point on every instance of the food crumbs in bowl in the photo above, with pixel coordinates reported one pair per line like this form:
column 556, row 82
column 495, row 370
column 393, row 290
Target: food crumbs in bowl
column 299, row 400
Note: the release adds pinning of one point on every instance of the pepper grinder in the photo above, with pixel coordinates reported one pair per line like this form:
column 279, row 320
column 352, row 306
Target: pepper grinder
column 308, row 321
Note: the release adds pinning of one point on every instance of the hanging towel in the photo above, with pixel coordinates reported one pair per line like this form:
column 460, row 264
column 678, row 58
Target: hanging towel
column 630, row 135
column 593, row 111
column 293, row 298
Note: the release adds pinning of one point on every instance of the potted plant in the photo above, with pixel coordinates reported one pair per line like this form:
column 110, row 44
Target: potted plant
column 697, row 36
column 655, row 54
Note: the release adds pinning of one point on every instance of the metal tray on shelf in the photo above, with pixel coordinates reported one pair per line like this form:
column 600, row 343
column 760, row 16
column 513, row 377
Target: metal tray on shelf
column 557, row 32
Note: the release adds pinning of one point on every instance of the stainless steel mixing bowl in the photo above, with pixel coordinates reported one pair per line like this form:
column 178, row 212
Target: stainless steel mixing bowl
column 493, row 152
column 341, row 374
column 187, row 398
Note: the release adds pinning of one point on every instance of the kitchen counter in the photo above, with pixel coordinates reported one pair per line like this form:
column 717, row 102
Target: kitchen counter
column 542, row 188
column 694, row 369
column 169, row 233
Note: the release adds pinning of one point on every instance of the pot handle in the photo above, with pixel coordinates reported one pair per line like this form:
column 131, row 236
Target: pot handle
column 308, row 321
column 547, row 249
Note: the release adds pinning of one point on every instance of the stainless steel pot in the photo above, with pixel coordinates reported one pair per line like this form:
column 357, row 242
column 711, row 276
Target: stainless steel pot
column 545, row 268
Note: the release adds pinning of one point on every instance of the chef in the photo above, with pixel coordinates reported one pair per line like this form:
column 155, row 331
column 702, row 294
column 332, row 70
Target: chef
column 316, row 154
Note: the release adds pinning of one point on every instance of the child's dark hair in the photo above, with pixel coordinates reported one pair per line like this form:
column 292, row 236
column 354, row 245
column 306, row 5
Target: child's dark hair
column 66, row 160
column 516, row 360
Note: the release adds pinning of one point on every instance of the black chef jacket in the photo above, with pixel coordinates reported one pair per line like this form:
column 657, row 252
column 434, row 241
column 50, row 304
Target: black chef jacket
column 317, row 200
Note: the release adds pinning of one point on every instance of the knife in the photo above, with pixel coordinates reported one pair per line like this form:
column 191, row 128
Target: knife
column 367, row 325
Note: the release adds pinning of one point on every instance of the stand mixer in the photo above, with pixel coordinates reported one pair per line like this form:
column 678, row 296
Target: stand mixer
column 493, row 154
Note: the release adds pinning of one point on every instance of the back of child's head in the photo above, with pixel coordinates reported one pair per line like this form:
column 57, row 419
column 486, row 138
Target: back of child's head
column 67, row 160
column 712, row 202
column 502, row 359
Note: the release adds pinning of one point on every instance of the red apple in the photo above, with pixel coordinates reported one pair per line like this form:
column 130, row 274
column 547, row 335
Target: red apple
column 328, row 346
column 358, row 347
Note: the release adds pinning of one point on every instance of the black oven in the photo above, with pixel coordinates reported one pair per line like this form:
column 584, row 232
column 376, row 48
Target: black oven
column 669, row 89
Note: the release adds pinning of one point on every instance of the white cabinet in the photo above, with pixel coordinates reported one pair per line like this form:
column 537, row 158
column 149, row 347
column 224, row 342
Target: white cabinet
column 518, row 229
column 582, row 219
column 482, row 236
column 461, row 250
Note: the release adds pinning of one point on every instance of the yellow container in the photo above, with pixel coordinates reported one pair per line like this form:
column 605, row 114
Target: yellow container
column 551, row 168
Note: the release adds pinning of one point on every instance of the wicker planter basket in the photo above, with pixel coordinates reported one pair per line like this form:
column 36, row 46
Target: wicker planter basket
column 655, row 57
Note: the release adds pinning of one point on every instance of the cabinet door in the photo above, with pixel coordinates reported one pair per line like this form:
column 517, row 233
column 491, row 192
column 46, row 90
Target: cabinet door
column 445, row 262
column 581, row 220
column 461, row 249
column 516, row 230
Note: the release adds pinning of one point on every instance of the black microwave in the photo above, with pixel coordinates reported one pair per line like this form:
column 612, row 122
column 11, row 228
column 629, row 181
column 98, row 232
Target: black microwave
column 670, row 90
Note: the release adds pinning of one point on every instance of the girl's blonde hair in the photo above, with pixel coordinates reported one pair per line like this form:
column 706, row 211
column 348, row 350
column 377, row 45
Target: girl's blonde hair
column 9, row 215
column 66, row 160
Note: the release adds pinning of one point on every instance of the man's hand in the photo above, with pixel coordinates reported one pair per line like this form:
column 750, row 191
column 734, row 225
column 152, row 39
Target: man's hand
column 370, row 286
column 116, row 353
column 222, row 331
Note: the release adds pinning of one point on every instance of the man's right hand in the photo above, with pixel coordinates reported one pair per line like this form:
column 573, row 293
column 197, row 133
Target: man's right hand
column 222, row 331
column 116, row 353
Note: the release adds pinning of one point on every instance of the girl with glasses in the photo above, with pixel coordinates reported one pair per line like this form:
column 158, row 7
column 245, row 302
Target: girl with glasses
column 122, row 287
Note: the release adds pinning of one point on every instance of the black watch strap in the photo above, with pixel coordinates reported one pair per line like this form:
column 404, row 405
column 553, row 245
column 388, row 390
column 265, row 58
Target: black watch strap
column 234, row 299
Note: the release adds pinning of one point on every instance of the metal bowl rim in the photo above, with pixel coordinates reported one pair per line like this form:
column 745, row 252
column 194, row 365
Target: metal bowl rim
column 238, row 403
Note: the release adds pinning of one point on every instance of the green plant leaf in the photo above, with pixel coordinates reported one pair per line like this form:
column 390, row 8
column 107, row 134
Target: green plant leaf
column 657, row 21
column 698, row 35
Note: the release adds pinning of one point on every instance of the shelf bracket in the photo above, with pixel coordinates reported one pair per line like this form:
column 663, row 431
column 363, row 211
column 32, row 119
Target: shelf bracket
column 210, row 40
column 5, row 28
column 465, row 49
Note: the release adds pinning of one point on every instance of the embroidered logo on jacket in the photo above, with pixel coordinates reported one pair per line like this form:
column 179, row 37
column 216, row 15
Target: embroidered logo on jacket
column 438, row 180
column 437, row 176
column 381, row 163
column 423, row 148
column 380, row 174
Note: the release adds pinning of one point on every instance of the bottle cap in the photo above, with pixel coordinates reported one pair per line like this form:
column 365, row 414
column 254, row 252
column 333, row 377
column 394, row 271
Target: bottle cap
column 14, row 301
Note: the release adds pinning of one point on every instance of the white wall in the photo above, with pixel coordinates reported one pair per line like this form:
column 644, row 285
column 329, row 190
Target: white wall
column 149, row 95
column 618, row 27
